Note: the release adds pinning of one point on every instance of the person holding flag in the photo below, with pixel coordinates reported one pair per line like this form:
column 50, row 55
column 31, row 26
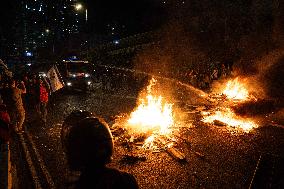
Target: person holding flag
column 54, row 78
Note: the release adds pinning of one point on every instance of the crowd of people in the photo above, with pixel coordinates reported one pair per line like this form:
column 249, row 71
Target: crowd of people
column 30, row 94
column 21, row 98
column 203, row 78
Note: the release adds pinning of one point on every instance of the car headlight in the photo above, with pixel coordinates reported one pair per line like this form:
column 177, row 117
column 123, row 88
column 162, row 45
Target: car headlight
column 69, row 84
column 87, row 75
column 42, row 74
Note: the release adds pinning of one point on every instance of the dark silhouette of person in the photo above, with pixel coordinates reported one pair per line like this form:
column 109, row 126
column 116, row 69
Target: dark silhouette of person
column 88, row 145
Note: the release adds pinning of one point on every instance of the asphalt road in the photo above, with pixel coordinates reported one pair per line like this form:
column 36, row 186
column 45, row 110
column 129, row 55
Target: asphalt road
column 215, row 156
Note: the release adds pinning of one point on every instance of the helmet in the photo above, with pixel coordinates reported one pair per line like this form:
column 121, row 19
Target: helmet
column 88, row 142
column 71, row 120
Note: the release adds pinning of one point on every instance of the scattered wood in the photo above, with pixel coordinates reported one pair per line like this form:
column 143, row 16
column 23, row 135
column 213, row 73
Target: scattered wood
column 199, row 154
column 139, row 143
column 132, row 159
column 176, row 153
column 219, row 123
column 200, row 108
column 173, row 151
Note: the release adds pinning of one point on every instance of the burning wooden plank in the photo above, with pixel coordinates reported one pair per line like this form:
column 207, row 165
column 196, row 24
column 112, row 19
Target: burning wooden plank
column 176, row 153
column 219, row 123
column 172, row 150
column 199, row 154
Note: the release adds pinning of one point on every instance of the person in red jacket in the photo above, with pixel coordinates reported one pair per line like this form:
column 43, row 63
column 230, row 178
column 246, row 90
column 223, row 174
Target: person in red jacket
column 42, row 101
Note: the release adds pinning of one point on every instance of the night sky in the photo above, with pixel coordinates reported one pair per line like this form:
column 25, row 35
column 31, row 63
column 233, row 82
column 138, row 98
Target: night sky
column 8, row 14
column 134, row 16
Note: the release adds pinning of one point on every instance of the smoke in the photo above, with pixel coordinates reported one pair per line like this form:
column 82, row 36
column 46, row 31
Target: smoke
column 202, row 34
column 273, row 79
column 173, row 53
column 270, row 73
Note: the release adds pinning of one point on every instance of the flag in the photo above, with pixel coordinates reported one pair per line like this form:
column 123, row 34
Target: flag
column 54, row 78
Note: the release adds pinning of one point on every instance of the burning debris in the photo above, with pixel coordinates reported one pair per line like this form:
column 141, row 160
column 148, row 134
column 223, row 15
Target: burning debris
column 234, row 94
column 152, row 115
column 236, row 90
column 226, row 117
column 152, row 124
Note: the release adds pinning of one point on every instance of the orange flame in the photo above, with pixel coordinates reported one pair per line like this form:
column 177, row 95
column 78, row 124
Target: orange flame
column 152, row 115
column 236, row 90
column 228, row 117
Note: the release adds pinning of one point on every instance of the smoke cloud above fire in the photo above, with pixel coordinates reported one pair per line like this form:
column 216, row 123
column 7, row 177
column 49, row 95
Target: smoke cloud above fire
column 246, row 35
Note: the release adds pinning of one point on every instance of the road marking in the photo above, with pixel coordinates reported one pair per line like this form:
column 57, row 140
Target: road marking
column 30, row 163
column 41, row 163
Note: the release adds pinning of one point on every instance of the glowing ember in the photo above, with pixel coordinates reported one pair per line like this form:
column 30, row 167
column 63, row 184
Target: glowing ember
column 152, row 115
column 227, row 117
column 236, row 90
column 149, row 143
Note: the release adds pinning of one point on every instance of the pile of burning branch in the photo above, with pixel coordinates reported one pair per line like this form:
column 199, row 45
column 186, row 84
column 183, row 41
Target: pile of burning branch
column 234, row 94
column 151, row 125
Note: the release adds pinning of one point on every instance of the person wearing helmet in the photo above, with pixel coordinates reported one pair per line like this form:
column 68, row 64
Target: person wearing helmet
column 88, row 145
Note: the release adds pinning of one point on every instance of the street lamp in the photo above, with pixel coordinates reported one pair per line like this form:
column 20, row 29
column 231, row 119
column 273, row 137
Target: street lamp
column 79, row 7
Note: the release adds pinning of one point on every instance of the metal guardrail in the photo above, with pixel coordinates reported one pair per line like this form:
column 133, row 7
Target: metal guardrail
column 5, row 167
column 40, row 177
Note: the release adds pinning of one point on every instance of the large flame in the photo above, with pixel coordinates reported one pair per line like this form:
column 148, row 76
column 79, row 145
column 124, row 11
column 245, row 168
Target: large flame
column 227, row 117
column 152, row 115
column 236, row 90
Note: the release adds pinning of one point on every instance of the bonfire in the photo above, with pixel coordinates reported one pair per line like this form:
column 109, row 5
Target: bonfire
column 234, row 90
column 153, row 118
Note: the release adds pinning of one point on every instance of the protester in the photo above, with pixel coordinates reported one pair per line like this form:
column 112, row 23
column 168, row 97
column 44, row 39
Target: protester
column 5, row 73
column 89, row 147
column 214, row 74
column 12, row 97
column 224, row 73
column 42, row 100
column 32, row 92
